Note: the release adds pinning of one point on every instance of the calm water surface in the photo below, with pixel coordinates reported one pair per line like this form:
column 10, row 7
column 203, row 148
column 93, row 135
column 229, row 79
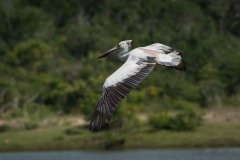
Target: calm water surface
column 192, row 154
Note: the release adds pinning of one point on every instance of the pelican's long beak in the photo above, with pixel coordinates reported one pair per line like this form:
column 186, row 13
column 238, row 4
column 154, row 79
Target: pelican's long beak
column 109, row 52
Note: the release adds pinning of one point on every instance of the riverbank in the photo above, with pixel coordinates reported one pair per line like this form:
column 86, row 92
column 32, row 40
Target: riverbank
column 57, row 138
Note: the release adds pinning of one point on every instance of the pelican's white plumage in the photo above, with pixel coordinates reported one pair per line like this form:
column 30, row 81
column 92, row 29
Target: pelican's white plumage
column 139, row 63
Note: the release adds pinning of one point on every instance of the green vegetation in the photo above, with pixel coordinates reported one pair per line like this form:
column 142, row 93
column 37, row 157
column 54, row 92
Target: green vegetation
column 55, row 138
column 181, row 121
column 48, row 68
column 187, row 117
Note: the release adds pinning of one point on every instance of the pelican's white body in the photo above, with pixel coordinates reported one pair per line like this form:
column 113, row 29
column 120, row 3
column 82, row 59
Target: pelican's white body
column 130, row 67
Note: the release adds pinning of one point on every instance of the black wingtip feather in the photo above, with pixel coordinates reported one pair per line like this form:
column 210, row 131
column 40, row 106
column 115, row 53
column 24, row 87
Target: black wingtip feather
column 98, row 121
column 181, row 66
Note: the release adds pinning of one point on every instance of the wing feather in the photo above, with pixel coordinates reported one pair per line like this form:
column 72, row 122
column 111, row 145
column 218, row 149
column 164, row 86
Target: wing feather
column 114, row 91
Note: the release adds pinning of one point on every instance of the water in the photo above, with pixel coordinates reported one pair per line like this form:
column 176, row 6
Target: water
column 192, row 154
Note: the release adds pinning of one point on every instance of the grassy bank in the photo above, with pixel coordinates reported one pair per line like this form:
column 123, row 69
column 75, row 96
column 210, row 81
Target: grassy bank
column 215, row 134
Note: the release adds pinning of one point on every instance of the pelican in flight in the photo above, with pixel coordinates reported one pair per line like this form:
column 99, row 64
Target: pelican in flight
column 139, row 62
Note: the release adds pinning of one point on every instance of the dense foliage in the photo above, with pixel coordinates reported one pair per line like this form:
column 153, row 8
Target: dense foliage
column 48, row 50
column 187, row 119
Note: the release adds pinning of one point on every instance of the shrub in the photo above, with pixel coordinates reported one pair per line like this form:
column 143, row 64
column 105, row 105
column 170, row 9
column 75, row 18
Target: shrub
column 187, row 119
column 160, row 121
column 4, row 128
column 125, row 118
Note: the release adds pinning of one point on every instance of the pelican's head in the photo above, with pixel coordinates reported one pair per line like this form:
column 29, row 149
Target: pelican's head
column 123, row 46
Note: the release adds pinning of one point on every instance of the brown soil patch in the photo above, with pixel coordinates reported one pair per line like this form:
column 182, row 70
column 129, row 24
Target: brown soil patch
column 222, row 115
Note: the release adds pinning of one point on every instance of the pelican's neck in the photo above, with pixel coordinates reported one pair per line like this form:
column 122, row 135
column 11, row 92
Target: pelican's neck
column 124, row 53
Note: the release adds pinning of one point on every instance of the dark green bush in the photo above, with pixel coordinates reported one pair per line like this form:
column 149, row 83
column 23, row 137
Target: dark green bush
column 187, row 119
column 125, row 118
column 161, row 121
column 4, row 128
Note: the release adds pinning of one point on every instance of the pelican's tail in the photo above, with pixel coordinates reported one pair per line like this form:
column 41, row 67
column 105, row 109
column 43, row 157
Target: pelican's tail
column 172, row 59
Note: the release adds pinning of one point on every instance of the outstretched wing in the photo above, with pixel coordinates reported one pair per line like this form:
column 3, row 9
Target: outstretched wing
column 117, row 86
column 165, row 55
